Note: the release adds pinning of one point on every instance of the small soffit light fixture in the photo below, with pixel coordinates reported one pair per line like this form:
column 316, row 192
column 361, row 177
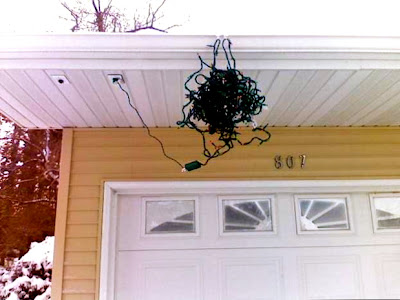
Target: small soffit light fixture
column 60, row 79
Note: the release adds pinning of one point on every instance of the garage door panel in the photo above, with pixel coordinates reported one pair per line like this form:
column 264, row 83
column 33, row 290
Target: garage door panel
column 250, row 278
column 388, row 271
column 141, row 277
column 330, row 277
column 171, row 281
column 200, row 274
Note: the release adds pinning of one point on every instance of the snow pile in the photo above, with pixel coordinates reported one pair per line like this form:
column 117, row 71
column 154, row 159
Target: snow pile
column 30, row 277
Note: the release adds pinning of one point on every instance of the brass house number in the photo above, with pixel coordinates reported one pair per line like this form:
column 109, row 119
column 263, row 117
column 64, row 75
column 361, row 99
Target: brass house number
column 289, row 161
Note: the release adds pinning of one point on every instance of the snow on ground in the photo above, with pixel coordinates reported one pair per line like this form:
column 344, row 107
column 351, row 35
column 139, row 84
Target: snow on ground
column 30, row 277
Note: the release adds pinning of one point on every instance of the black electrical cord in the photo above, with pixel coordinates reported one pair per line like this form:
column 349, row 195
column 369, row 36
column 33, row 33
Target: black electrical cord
column 147, row 127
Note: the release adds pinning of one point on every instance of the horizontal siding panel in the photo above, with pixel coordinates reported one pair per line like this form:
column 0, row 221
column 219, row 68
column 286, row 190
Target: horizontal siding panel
column 80, row 272
column 97, row 179
column 80, row 244
column 327, row 139
column 335, row 139
column 131, row 141
column 78, row 297
column 188, row 134
column 354, row 163
column 284, row 175
column 157, row 168
column 123, row 153
column 137, row 140
column 80, row 258
column 106, row 167
column 84, row 204
column 84, row 191
column 81, row 231
column 128, row 132
column 83, row 217
column 217, row 174
column 83, row 286
column 312, row 164
column 267, row 150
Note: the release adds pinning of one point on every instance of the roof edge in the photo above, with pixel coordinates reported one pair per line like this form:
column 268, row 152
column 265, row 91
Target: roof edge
column 163, row 52
column 100, row 42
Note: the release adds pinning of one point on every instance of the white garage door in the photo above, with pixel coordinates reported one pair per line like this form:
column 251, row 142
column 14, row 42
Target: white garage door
column 254, row 243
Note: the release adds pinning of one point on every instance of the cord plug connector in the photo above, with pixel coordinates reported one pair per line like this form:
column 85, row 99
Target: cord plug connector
column 115, row 78
column 192, row 166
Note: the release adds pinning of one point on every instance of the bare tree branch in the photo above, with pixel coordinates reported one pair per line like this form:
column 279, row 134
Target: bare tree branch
column 75, row 17
column 95, row 7
column 38, row 200
column 153, row 28
column 111, row 19
column 159, row 7
column 26, row 180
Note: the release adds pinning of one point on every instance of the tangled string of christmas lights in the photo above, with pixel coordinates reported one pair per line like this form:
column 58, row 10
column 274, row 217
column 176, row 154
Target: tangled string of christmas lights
column 223, row 100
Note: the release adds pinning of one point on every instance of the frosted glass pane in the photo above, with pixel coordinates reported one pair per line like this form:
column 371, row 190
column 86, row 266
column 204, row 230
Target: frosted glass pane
column 175, row 216
column 247, row 215
column 323, row 214
column 387, row 212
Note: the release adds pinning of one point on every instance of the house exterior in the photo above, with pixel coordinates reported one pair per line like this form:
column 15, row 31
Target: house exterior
column 311, row 214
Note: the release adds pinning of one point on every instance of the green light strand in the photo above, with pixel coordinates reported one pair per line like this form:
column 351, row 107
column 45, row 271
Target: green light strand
column 223, row 99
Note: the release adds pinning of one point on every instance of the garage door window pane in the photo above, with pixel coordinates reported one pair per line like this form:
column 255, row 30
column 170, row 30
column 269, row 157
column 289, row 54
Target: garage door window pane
column 176, row 216
column 387, row 212
column 247, row 215
column 323, row 214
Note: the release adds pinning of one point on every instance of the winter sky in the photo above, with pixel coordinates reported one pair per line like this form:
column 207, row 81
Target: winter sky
column 227, row 17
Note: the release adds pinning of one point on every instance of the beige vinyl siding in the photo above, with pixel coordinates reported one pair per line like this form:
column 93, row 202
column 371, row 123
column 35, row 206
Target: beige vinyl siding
column 129, row 154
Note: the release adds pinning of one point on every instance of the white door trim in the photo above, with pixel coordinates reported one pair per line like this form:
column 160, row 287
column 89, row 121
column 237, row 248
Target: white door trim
column 114, row 188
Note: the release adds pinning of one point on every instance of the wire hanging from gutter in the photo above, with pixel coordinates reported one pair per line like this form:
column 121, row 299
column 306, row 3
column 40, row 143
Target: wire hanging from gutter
column 147, row 127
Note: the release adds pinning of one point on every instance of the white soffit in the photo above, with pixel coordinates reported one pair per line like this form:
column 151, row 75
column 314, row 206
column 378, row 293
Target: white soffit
column 307, row 80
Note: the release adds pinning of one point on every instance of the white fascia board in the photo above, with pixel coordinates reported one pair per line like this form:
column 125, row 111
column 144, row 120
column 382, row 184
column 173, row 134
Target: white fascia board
column 132, row 51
